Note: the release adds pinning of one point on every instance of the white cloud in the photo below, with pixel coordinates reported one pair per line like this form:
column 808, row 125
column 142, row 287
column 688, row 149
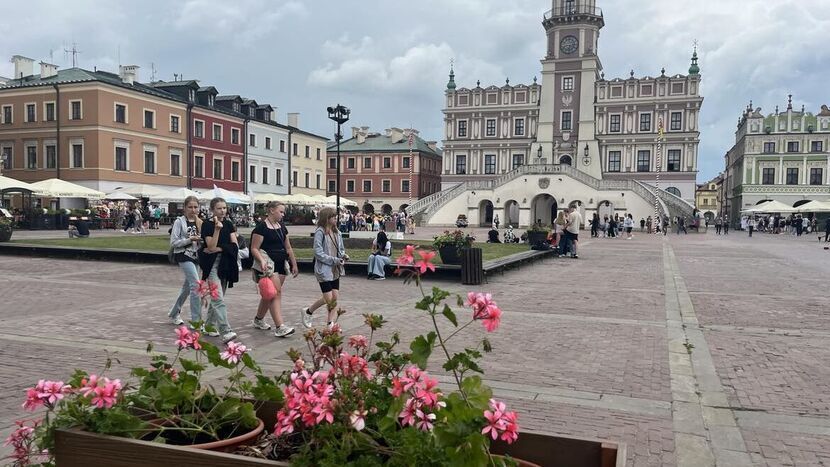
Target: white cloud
column 242, row 21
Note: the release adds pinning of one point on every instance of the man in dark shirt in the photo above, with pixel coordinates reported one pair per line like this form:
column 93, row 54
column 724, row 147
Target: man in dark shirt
column 79, row 229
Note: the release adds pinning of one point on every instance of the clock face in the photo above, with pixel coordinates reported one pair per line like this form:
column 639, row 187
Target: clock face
column 568, row 44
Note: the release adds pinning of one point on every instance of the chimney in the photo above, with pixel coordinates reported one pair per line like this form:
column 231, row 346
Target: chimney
column 128, row 73
column 294, row 119
column 433, row 145
column 396, row 135
column 47, row 70
column 355, row 131
column 23, row 66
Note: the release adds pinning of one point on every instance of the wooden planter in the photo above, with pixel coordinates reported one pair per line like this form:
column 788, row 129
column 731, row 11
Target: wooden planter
column 5, row 234
column 536, row 237
column 78, row 448
column 449, row 255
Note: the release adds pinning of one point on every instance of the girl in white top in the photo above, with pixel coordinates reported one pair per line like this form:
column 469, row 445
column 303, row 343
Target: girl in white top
column 628, row 223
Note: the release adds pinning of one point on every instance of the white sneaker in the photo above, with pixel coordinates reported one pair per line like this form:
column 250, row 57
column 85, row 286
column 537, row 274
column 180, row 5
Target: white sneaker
column 228, row 337
column 260, row 324
column 306, row 316
column 176, row 320
column 210, row 333
column 283, row 331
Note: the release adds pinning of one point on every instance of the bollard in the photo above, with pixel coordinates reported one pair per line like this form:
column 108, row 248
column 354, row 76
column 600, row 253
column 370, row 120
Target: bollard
column 472, row 270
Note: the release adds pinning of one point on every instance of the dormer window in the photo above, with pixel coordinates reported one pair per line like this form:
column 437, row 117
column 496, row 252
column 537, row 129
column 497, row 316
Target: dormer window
column 236, row 107
column 210, row 101
column 251, row 113
column 191, row 95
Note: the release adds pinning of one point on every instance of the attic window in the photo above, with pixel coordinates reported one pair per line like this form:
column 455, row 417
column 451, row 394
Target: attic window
column 616, row 91
column 463, row 100
column 521, row 97
column 677, row 88
column 492, row 98
column 646, row 90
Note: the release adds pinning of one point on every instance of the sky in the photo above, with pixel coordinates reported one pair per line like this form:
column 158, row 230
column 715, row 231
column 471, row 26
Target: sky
column 388, row 60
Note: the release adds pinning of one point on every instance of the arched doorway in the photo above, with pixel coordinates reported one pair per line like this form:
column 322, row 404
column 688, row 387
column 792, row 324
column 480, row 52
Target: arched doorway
column 709, row 216
column 368, row 208
column 511, row 213
column 543, row 209
column 673, row 190
column 605, row 208
column 566, row 160
column 386, row 209
column 403, row 207
column 485, row 213
column 580, row 207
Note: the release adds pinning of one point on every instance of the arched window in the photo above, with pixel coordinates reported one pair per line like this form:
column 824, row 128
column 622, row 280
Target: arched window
column 565, row 160
column 673, row 191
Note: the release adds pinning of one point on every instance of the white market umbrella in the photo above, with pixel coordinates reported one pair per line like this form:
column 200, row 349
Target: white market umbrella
column 57, row 188
column 814, row 206
column 142, row 191
column 771, row 207
column 178, row 195
column 119, row 196
column 8, row 184
column 233, row 197
column 343, row 201
column 263, row 198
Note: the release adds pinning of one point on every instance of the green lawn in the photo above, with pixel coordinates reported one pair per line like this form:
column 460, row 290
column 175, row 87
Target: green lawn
column 162, row 242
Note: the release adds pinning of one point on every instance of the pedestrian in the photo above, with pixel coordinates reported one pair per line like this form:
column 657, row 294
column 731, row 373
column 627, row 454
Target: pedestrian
column 827, row 230
column 628, row 223
column 799, row 225
column 410, row 225
column 185, row 241
column 726, row 225
column 612, row 227
column 572, row 228
column 271, row 249
column 642, row 225
column 217, row 260
column 130, row 224
column 604, row 226
column 509, row 236
column 560, row 238
column 329, row 260
column 595, row 225
column 496, row 221
column 718, row 225
column 665, row 225
column 380, row 257
column 750, row 225
column 649, row 225
column 138, row 222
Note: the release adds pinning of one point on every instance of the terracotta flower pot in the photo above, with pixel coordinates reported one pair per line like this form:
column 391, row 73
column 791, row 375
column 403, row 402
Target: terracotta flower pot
column 230, row 444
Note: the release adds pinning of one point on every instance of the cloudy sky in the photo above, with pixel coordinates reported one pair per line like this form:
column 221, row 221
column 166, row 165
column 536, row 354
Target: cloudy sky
column 388, row 59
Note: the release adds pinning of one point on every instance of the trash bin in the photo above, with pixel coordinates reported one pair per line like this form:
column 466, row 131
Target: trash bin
column 472, row 271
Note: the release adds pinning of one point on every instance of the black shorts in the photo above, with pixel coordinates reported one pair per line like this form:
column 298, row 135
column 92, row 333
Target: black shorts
column 628, row 229
column 328, row 286
column 278, row 268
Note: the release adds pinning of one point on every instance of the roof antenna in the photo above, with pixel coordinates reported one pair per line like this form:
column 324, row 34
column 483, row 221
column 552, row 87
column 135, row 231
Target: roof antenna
column 175, row 76
column 74, row 51
column 152, row 72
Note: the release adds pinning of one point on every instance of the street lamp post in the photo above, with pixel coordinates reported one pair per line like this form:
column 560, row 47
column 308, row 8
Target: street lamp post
column 339, row 114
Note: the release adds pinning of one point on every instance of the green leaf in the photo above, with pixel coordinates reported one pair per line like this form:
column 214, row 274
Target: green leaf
column 459, row 300
column 192, row 366
column 424, row 303
column 421, row 349
column 249, row 362
column 448, row 313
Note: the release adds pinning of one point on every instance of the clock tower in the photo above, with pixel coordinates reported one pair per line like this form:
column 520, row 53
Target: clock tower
column 566, row 130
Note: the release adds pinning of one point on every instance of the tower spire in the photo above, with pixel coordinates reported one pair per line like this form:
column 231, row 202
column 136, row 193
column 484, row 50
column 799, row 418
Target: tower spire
column 694, row 69
column 451, row 82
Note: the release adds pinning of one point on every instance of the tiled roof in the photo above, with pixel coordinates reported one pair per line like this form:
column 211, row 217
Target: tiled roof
column 189, row 82
column 228, row 98
column 377, row 142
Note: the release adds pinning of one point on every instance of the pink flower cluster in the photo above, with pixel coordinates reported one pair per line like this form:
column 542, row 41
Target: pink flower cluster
column 104, row 392
column 307, row 400
column 233, row 352
column 358, row 342
column 424, row 398
column 502, row 422
column 484, row 309
column 185, row 338
column 20, row 440
column 207, row 288
column 352, row 365
column 45, row 393
column 407, row 258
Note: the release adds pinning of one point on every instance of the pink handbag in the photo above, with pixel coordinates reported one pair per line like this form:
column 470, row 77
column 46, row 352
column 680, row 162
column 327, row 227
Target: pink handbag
column 266, row 288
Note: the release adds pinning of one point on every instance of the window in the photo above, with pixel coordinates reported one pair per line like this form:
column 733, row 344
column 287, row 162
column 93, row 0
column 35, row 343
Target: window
column 567, row 83
column 566, row 121
column 199, row 128
column 295, row 178
column 792, row 176
column 49, row 110
column 367, row 186
column 77, row 151
column 6, row 158
column 121, row 158
column 7, row 114
column 175, row 165
column 252, row 174
column 234, row 135
column 816, row 176
column 149, row 162
column 350, row 163
column 349, row 186
column 816, row 146
column 174, row 124
column 676, row 123
column 31, row 113
column 519, row 127
column 252, row 140
column 769, row 148
column 387, row 162
column 307, row 152
column 490, row 164
column 404, row 186
column 367, row 162
column 75, row 110
column 614, row 124
column 405, row 162
column 268, row 143
column 491, row 127
column 673, row 190
column 51, row 156
column 518, row 160
column 199, row 166
column 120, row 113
column 217, row 132
column 462, row 128
column 307, row 178
column 645, row 122
column 643, row 161
column 295, row 149
column 278, row 176
column 768, row 176
column 31, row 157
column 673, row 160
column 149, row 119
column 282, row 145
column 264, row 175
column 332, row 186
column 460, row 164
column 318, row 181
column 792, row 146
column 217, row 169
column 319, row 156
column 614, row 161
column 333, row 163
column 386, row 186
column 235, row 171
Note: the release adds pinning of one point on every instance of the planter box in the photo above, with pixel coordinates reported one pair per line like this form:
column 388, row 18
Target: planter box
column 536, row 237
column 78, row 448
column 449, row 255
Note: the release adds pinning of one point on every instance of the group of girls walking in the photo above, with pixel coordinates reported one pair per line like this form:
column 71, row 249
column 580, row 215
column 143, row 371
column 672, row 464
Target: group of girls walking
column 212, row 246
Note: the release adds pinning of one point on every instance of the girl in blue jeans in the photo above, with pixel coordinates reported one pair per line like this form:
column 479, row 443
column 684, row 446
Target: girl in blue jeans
column 185, row 239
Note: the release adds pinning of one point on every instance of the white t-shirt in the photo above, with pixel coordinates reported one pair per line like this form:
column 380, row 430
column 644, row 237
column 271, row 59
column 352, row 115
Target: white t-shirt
column 574, row 221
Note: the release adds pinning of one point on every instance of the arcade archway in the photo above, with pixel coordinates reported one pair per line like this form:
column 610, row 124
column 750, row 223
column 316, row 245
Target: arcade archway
column 543, row 209
column 485, row 213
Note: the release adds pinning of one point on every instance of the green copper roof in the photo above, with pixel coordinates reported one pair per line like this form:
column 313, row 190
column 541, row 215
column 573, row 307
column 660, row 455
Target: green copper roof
column 451, row 82
column 694, row 69
column 383, row 143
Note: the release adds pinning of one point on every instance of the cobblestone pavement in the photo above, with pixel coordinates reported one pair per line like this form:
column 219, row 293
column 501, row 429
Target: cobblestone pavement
column 589, row 347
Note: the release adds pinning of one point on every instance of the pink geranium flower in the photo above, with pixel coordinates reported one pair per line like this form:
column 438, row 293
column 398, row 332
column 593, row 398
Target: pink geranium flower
column 33, row 400
column 358, row 342
column 52, row 391
column 407, row 256
column 411, row 412
column 106, row 394
column 425, row 262
column 233, row 352
column 484, row 309
column 500, row 422
column 358, row 419
column 186, row 338
column 88, row 385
